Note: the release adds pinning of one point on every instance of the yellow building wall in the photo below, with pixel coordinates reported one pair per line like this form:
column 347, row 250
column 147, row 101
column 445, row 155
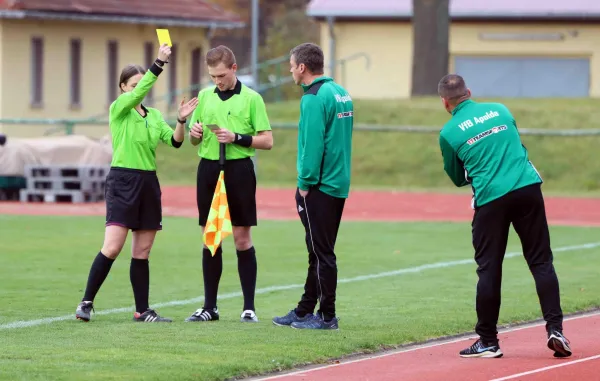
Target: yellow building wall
column 389, row 46
column 15, row 93
column 582, row 41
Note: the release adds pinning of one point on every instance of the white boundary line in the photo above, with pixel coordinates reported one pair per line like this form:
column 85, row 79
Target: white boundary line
column 231, row 295
column 539, row 370
column 420, row 347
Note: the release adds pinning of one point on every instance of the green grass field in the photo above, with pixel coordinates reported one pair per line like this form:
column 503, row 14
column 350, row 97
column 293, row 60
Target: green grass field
column 45, row 261
column 413, row 160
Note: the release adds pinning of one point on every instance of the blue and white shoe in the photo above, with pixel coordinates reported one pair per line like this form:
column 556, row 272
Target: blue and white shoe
column 290, row 318
column 480, row 350
column 316, row 322
column 559, row 344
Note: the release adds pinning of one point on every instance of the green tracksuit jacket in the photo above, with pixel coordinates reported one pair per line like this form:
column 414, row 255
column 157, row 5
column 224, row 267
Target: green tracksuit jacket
column 325, row 138
column 481, row 146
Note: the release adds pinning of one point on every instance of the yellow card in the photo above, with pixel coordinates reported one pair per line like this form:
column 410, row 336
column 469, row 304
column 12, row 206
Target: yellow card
column 164, row 37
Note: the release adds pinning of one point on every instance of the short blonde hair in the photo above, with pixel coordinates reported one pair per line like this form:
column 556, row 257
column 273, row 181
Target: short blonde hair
column 220, row 54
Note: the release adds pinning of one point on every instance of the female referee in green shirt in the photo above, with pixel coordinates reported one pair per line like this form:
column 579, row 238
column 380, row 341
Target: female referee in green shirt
column 132, row 189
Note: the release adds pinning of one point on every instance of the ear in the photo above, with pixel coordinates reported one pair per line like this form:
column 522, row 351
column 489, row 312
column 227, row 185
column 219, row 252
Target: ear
column 445, row 103
column 302, row 68
column 469, row 92
column 234, row 67
column 121, row 86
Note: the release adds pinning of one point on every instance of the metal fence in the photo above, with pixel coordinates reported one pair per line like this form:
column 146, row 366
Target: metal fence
column 68, row 127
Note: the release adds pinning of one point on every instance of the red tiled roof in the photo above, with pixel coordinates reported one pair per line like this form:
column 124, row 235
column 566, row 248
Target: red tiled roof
column 175, row 9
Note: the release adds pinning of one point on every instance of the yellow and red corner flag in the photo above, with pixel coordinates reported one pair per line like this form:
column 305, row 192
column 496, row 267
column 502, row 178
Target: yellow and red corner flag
column 218, row 225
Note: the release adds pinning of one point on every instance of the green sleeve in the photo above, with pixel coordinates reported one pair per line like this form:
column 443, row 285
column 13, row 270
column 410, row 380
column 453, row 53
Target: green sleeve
column 197, row 114
column 258, row 115
column 452, row 164
column 126, row 101
column 166, row 133
column 312, row 137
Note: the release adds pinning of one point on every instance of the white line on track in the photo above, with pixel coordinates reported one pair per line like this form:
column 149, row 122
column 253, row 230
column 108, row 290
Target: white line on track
column 231, row 295
column 418, row 347
column 539, row 370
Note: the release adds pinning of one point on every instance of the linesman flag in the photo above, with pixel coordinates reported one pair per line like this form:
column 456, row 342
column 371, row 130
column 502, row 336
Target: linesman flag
column 218, row 225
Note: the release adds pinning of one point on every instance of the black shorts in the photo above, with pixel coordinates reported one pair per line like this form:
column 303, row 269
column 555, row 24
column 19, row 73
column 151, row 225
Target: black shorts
column 133, row 199
column 240, row 183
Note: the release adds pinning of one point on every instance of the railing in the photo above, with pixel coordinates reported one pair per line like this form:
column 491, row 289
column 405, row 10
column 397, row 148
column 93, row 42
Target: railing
column 343, row 62
column 68, row 126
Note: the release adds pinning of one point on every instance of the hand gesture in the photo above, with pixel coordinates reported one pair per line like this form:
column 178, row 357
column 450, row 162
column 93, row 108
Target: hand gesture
column 186, row 109
column 196, row 131
column 164, row 52
column 224, row 135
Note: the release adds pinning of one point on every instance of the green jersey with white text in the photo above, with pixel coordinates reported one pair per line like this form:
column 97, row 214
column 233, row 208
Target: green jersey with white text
column 325, row 138
column 481, row 146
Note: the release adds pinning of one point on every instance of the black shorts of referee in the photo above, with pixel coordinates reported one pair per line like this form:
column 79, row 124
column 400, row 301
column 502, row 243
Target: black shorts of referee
column 133, row 199
column 240, row 183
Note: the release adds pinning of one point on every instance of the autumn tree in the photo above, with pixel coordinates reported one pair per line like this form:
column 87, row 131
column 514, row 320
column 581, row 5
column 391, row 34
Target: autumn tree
column 289, row 27
column 283, row 24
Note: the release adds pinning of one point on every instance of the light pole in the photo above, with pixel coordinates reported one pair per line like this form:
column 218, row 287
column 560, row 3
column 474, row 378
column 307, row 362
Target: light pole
column 254, row 53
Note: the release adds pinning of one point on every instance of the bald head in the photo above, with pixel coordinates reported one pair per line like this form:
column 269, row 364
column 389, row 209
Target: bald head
column 453, row 88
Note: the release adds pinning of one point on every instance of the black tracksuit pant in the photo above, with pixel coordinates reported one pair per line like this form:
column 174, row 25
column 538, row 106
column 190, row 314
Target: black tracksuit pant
column 525, row 209
column 321, row 215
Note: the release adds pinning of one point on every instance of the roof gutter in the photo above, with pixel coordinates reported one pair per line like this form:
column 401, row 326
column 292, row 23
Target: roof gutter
column 362, row 14
column 356, row 14
column 163, row 21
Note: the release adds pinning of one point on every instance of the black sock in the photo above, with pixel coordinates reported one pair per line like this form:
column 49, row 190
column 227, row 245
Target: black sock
column 247, row 269
column 139, row 273
column 100, row 269
column 212, row 267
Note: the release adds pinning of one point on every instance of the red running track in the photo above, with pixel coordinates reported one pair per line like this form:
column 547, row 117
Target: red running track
column 279, row 204
column 526, row 357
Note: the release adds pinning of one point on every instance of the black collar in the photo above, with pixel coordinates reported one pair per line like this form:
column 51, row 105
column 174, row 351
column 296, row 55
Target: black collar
column 145, row 111
column 225, row 95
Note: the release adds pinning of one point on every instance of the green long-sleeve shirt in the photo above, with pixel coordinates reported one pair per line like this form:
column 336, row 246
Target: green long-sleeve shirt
column 481, row 146
column 134, row 137
column 325, row 138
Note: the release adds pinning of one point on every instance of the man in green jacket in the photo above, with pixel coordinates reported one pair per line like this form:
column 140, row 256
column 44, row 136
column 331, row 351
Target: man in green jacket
column 323, row 183
column 481, row 146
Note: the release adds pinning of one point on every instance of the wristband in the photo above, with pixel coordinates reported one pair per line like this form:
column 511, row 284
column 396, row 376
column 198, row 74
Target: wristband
column 181, row 121
column 243, row 140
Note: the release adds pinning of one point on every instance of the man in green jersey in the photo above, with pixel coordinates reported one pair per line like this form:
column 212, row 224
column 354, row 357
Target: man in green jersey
column 323, row 183
column 241, row 121
column 481, row 146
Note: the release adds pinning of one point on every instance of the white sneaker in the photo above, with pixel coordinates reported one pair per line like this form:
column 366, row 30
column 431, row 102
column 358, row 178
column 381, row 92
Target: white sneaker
column 249, row 316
